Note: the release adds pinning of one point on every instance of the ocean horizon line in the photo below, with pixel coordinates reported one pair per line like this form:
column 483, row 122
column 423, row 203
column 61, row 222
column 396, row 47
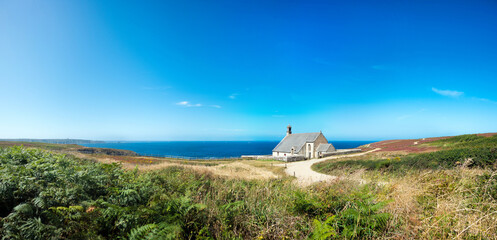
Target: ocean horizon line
column 205, row 149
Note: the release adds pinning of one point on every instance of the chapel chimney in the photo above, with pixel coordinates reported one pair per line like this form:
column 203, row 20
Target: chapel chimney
column 289, row 131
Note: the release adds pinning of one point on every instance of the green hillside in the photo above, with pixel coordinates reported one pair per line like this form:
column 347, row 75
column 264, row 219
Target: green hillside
column 447, row 194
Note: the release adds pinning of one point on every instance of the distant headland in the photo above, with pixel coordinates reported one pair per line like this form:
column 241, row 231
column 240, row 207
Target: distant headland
column 57, row 141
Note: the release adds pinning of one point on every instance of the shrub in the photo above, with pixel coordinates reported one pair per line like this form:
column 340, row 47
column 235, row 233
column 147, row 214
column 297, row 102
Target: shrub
column 50, row 196
column 54, row 196
column 360, row 218
column 469, row 157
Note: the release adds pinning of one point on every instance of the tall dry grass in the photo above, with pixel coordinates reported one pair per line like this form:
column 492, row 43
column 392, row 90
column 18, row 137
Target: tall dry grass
column 440, row 204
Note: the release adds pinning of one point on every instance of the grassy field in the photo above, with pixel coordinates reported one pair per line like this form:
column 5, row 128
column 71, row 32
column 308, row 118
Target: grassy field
column 54, row 192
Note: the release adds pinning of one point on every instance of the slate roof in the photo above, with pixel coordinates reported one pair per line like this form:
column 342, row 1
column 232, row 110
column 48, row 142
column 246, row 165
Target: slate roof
column 296, row 140
column 325, row 148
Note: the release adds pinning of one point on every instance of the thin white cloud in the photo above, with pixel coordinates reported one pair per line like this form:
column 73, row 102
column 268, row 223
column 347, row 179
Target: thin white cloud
column 447, row 93
column 188, row 104
column 485, row 100
column 233, row 96
column 455, row 94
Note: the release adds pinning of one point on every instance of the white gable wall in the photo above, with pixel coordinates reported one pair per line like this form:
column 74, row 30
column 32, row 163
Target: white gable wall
column 320, row 140
column 309, row 149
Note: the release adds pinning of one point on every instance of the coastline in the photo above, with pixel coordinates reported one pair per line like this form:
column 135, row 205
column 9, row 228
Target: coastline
column 206, row 150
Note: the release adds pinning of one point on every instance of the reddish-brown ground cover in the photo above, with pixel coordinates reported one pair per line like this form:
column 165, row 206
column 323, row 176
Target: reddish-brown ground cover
column 406, row 145
column 410, row 145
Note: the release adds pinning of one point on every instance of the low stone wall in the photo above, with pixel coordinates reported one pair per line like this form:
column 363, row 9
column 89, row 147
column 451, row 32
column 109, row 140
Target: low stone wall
column 340, row 152
column 255, row 157
column 290, row 158
column 281, row 158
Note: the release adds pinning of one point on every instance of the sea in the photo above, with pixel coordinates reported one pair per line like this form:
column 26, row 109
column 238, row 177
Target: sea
column 206, row 149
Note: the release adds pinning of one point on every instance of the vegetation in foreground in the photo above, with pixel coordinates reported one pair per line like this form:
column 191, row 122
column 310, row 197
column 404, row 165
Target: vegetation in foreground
column 451, row 193
column 128, row 159
column 40, row 145
column 447, row 194
column 44, row 195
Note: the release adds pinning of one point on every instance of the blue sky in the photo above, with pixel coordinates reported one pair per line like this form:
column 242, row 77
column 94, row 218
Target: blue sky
column 243, row 70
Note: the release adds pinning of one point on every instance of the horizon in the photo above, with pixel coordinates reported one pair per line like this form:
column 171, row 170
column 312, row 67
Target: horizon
column 245, row 140
column 97, row 140
column 232, row 71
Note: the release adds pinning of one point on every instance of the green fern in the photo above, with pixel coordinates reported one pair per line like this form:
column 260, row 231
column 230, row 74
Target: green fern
column 34, row 229
column 323, row 230
column 363, row 219
column 142, row 232
column 155, row 232
column 24, row 209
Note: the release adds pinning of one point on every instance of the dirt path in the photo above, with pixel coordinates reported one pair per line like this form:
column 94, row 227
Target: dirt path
column 306, row 176
column 301, row 170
